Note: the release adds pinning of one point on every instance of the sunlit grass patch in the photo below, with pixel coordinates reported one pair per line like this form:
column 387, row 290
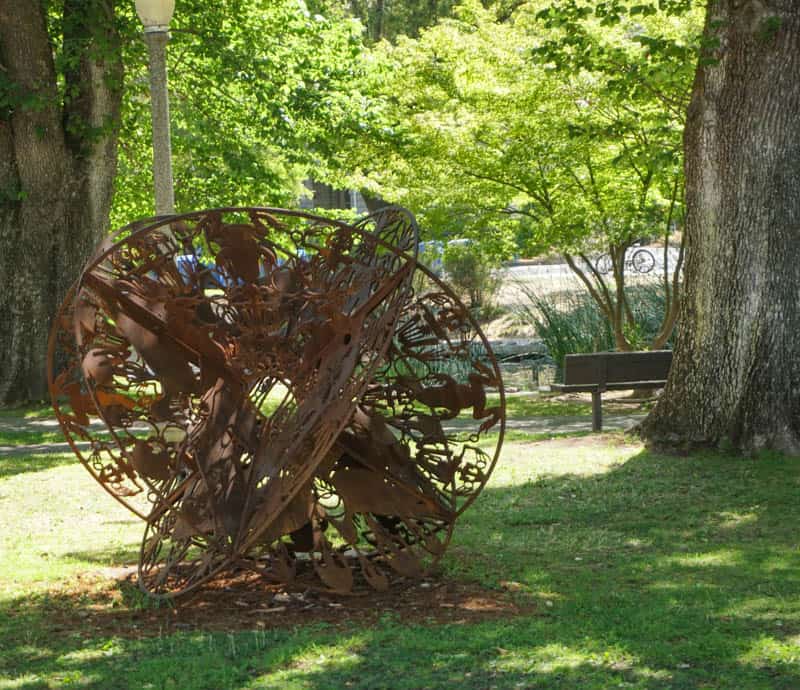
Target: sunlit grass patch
column 719, row 557
column 62, row 522
column 24, row 438
column 729, row 519
column 771, row 652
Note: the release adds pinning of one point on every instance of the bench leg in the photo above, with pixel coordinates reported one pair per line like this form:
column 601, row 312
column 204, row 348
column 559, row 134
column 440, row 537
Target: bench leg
column 597, row 412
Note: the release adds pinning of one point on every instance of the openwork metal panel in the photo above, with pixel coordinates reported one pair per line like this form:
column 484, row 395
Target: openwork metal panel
column 272, row 390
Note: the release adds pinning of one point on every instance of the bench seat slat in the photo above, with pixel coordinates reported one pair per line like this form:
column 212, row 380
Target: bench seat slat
column 588, row 387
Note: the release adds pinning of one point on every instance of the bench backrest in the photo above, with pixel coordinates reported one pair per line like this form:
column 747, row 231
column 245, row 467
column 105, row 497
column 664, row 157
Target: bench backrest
column 617, row 367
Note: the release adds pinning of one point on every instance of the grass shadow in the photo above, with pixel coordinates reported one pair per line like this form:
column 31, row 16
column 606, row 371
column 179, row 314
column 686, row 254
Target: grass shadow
column 685, row 563
column 110, row 557
column 12, row 464
column 39, row 410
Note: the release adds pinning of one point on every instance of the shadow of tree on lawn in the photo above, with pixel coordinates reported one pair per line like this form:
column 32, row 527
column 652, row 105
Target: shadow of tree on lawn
column 14, row 464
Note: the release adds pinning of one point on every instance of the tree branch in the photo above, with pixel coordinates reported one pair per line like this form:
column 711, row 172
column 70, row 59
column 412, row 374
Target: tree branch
column 496, row 180
column 605, row 305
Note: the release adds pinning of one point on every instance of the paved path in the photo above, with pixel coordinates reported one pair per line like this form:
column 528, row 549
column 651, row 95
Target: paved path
column 38, row 449
column 533, row 425
column 21, row 424
column 31, row 424
column 558, row 425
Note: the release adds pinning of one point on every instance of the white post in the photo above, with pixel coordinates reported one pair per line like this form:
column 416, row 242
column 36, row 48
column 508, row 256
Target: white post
column 156, row 16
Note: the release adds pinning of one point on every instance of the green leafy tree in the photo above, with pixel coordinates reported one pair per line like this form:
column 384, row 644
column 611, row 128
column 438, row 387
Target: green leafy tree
column 389, row 19
column 258, row 94
column 735, row 378
column 471, row 274
column 736, row 371
column 499, row 130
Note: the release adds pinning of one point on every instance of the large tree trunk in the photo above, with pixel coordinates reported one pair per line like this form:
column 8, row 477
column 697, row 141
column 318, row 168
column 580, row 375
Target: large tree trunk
column 57, row 166
column 735, row 377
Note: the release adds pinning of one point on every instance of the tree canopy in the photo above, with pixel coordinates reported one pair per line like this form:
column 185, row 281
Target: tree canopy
column 259, row 92
column 506, row 130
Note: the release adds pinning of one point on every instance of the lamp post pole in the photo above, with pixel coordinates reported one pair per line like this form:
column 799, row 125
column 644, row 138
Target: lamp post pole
column 159, row 107
column 156, row 15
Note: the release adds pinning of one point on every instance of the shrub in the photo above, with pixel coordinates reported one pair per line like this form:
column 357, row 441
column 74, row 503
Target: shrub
column 567, row 325
column 648, row 303
column 429, row 254
column 471, row 273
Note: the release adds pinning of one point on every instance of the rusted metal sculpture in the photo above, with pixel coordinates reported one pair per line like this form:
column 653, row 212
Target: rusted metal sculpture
column 280, row 392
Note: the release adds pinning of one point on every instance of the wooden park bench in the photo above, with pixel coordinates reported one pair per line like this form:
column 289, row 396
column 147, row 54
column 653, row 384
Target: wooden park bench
column 611, row 371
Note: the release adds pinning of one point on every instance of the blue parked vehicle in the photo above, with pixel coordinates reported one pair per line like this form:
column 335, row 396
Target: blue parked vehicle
column 192, row 263
column 430, row 254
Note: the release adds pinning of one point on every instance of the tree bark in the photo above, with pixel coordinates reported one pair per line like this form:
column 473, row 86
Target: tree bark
column 735, row 377
column 379, row 21
column 57, row 167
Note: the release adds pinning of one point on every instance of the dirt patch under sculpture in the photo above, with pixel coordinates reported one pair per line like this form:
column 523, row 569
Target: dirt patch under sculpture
column 95, row 606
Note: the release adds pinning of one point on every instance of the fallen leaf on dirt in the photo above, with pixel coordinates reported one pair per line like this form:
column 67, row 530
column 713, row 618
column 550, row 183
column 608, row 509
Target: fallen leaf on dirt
column 274, row 609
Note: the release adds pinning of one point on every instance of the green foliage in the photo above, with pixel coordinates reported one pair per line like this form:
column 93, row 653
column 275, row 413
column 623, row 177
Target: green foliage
column 486, row 130
column 555, row 128
column 471, row 273
column 647, row 301
column 258, row 93
column 389, row 19
column 572, row 325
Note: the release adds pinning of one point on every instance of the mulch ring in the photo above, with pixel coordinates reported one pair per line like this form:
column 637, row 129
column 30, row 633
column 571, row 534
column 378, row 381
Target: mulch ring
column 93, row 607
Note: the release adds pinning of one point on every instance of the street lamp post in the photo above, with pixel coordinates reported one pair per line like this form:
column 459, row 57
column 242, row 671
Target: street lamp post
column 156, row 16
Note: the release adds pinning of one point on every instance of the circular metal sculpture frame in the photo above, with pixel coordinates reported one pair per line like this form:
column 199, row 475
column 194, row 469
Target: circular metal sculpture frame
column 278, row 391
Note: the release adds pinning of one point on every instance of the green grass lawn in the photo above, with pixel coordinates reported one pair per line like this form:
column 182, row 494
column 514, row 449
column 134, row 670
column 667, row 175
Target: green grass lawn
column 23, row 438
column 34, row 411
column 632, row 569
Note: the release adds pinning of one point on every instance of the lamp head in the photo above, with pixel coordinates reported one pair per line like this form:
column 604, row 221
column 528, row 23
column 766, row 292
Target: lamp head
column 155, row 14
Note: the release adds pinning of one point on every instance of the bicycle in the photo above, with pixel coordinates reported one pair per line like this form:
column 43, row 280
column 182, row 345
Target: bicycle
column 641, row 261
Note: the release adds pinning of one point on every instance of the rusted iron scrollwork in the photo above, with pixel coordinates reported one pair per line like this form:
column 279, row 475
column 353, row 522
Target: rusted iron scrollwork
column 273, row 390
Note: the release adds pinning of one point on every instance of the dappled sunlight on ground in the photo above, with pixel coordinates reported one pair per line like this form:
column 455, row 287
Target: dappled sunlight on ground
column 720, row 558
